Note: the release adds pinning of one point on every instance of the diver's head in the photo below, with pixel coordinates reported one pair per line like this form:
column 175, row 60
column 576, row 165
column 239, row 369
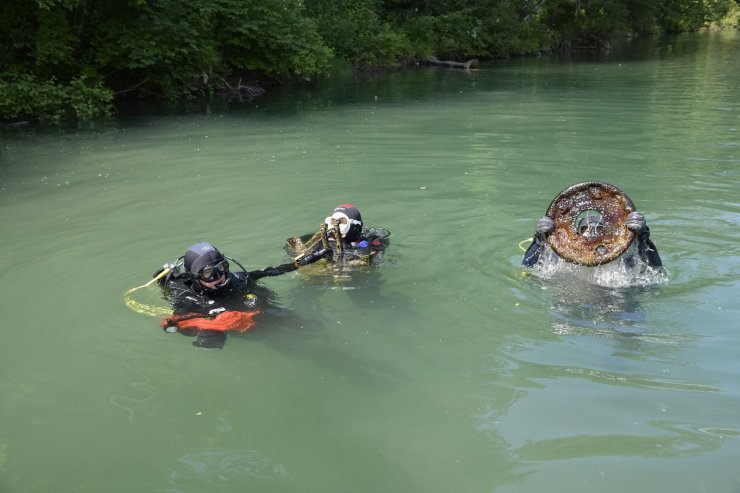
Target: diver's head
column 206, row 264
column 349, row 220
column 591, row 224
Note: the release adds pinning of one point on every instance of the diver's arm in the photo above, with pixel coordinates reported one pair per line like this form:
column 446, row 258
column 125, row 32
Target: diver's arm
column 647, row 251
column 645, row 248
column 544, row 226
column 289, row 267
column 273, row 271
column 533, row 253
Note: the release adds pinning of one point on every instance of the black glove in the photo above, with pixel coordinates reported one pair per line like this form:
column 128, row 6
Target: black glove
column 636, row 222
column 313, row 257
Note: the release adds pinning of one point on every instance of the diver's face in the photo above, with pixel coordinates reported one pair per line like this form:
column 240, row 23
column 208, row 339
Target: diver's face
column 342, row 220
column 214, row 276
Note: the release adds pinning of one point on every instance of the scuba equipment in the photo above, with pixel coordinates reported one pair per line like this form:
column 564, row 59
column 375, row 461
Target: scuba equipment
column 222, row 321
column 213, row 272
column 200, row 255
column 214, row 276
column 145, row 309
column 349, row 220
column 604, row 242
column 367, row 248
column 343, row 221
column 178, row 270
column 200, row 261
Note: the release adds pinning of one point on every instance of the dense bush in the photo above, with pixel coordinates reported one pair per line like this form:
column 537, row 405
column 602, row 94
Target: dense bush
column 356, row 32
column 80, row 100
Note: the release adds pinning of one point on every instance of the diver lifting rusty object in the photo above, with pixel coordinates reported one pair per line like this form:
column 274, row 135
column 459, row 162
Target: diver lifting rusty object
column 579, row 241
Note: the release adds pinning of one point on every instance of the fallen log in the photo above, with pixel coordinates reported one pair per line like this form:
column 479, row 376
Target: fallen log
column 240, row 90
column 433, row 60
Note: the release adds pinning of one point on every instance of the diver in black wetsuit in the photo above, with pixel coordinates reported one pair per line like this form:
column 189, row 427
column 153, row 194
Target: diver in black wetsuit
column 645, row 250
column 356, row 244
column 209, row 299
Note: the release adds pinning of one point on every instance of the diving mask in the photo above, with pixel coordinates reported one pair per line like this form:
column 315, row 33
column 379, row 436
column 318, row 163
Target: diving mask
column 213, row 272
column 343, row 220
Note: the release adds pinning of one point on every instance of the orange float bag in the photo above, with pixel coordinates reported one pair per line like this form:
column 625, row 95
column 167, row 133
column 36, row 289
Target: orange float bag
column 236, row 321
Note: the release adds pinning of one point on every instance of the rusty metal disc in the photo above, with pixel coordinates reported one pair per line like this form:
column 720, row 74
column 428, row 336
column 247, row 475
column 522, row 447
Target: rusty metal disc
column 605, row 243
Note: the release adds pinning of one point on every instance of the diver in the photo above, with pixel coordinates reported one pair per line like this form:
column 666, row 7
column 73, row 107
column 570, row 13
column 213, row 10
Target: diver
column 345, row 235
column 208, row 299
column 590, row 226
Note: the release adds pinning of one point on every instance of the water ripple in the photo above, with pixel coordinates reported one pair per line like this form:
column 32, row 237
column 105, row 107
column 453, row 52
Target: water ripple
column 199, row 471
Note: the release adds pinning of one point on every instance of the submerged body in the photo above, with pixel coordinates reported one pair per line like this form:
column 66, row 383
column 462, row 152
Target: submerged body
column 343, row 233
column 644, row 249
column 605, row 241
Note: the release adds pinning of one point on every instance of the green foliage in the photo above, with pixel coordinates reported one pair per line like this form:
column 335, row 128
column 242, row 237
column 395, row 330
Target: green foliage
column 732, row 18
column 163, row 48
column 22, row 96
column 679, row 15
column 479, row 28
column 586, row 23
column 167, row 49
column 357, row 33
column 65, row 59
column 273, row 37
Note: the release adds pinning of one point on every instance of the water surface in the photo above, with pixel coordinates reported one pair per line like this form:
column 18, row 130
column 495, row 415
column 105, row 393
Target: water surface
column 444, row 370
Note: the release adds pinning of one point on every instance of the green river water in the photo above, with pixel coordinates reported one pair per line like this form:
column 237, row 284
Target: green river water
column 443, row 370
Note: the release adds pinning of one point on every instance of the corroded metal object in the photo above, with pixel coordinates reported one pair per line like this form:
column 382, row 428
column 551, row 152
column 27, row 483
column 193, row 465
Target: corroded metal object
column 296, row 246
column 599, row 245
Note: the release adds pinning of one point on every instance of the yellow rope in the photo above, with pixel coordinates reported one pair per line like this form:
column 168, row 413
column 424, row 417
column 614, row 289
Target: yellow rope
column 522, row 242
column 142, row 308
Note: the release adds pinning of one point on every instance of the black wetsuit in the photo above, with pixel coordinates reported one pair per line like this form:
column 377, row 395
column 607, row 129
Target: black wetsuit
column 646, row 251
column 240, row 293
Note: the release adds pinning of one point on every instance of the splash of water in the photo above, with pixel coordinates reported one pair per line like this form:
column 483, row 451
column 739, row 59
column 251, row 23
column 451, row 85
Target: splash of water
column 627, row 271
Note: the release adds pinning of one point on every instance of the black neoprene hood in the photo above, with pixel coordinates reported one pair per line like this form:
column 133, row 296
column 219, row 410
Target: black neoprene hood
column 201, row 255
column 353, row 213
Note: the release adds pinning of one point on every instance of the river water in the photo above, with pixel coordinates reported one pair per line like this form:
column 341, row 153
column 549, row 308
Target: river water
column 445, row 369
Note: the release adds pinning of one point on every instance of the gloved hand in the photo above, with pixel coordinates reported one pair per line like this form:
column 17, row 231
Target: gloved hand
column 544, row 226
column 313, row 257
column 636, row 222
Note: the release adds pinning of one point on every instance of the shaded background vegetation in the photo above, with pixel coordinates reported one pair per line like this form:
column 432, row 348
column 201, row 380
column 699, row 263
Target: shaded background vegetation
column 63, row 60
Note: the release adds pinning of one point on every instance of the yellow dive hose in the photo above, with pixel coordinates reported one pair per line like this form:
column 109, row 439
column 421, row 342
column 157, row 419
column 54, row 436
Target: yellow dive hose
column 521, row 243
column 142, row 308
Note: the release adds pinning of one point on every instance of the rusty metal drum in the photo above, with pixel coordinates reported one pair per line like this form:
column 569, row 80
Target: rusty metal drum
column 601, row 245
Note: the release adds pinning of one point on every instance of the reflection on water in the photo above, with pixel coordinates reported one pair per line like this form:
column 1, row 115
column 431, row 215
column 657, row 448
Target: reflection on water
column 601, row 301
column 206, row 471
column 677, row 440
column 141, row 395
